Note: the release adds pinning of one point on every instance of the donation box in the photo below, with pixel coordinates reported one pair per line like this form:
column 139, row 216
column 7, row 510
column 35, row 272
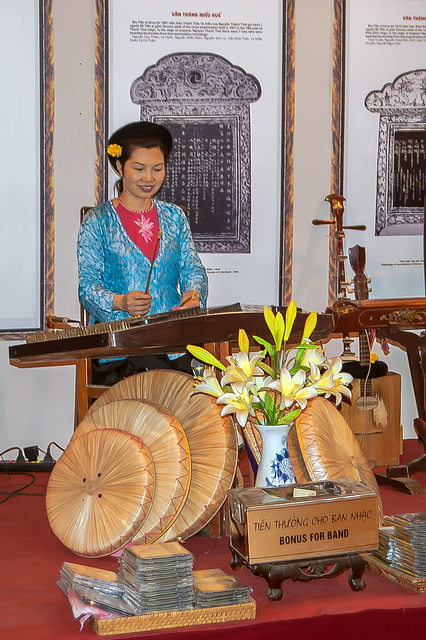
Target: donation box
column 310, row 520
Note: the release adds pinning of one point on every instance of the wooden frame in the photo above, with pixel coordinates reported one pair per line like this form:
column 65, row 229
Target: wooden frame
column 46, row 97
column 377, row 119
column 288, row 162
column 337, row 133
column 101, row 129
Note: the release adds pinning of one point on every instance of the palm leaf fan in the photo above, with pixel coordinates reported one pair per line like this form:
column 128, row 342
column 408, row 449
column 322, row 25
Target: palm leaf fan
column 100, row 492
column 166, row 440
column 212, row 442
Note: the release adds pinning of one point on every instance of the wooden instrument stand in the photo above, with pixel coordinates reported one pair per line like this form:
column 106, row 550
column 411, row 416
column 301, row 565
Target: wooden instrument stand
column 392, row 318
column 399, row 476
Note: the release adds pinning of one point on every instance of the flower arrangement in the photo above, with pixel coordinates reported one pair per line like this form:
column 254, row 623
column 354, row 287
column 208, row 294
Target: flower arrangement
column 275, row 391
column 114, row 150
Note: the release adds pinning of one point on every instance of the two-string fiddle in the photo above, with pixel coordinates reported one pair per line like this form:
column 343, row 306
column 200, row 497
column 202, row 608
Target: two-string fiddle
column 336, row 219
column 340, row 285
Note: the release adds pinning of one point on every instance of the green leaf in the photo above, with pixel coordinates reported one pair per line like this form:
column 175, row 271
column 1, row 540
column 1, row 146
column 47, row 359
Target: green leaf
column 269, row 402
column 297, row 368
column 267, row 369
column 268, row 346
column 205, row 356
column 290, row 417
column 300, row 352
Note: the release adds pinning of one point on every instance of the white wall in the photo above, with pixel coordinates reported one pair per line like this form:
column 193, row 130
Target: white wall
column 312, row 152
column 37, row 405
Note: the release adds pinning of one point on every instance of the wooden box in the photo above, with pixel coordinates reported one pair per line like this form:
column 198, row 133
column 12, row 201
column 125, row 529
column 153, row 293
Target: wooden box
column 309, row 520
column 374, row 415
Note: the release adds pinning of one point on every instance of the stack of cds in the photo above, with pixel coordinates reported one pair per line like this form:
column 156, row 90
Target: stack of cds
column 406, row 547
column 95, row 587
column 157, row 577
column 215, row 588
column 410, row 543
column 386, row 542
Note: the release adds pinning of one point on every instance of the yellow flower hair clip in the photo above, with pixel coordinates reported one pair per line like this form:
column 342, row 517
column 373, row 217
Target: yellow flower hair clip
column 114, row 150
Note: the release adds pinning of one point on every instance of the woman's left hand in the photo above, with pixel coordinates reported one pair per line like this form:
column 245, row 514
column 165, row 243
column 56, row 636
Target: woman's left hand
column 189, row 299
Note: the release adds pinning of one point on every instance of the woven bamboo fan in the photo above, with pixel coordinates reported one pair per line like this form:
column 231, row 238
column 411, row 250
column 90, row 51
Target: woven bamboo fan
column 100, row 492
column 166, row 440
column 253, row 441
column 212, row 442
column 329, row 449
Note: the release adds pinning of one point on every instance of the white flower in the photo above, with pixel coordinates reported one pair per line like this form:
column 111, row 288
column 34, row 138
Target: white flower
column 259, row 386
column 242, row 370
column 210, row 384
column 314, row 356
column 334, row 381
column 293, row 389
column 239, row 403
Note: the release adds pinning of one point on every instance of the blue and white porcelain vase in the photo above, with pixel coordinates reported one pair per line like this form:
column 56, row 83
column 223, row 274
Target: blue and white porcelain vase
column 275, row 468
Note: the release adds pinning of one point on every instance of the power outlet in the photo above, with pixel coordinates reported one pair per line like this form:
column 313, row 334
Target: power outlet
column 10, row 466
column 28, row 463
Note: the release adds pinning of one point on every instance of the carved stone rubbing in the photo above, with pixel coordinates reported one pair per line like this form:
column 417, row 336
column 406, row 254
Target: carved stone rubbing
column 204, row 100
column 401, row 164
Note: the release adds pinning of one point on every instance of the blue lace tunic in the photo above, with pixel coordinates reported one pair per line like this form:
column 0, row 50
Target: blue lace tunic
column 109, row 262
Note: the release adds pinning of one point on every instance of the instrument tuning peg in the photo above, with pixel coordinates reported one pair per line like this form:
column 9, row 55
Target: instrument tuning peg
column 370, row 289
column 368, row 278
column 349, row 289
column 356, row 227
column 316, row 221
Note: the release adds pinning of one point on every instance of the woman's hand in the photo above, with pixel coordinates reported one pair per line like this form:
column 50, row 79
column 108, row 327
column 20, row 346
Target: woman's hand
column 189, row 299
column 135, row 303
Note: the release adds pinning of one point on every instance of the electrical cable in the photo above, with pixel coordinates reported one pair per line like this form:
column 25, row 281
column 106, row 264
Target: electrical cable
column 20, row 458
column 364, row 396
column 48, row 456
column 25, row 486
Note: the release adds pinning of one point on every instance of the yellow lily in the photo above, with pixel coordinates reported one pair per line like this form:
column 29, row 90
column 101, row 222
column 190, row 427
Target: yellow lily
column 310, row 324
column 275, row 325
column 243, row 341
column 210, row 384
column 238, row 403
column 334, row 381
column 292, row 389
column 290, row 317
column 313, row 356
column 205, row 356
column 242, row 369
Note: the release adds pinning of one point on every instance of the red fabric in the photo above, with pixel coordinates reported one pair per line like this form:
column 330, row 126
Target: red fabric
column 32, row 607
column 142, row 227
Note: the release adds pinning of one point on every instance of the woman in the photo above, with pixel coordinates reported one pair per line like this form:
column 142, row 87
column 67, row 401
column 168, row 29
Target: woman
column 120, row 240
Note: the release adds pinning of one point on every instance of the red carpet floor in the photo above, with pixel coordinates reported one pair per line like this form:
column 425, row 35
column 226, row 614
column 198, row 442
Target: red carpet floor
column 32, row 607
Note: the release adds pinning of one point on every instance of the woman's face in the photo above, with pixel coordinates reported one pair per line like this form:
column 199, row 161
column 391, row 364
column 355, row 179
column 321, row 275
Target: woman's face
column 143, row 175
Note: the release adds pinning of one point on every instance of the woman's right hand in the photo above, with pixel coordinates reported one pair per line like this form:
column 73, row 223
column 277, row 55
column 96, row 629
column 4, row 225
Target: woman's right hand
column 135, row 303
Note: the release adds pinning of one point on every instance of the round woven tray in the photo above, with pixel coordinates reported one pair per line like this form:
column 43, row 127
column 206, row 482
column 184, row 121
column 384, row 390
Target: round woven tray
column 326, row 448
column 100, row 492
column 212, row 442
column 166, row 440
